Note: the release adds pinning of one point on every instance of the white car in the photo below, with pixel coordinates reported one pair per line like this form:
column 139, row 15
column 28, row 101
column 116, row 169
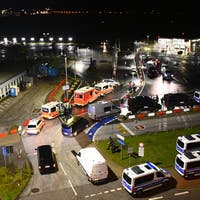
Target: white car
column 34, row 126
column 112, row 82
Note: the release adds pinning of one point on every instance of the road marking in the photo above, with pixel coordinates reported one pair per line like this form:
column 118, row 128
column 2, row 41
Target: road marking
column 127, row 129
column 72, row 188
column 63, row 168
column 181, row 193
column 155, row 198
column 58, row 130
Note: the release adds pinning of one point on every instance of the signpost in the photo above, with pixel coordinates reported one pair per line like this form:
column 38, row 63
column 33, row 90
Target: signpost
column 141, row 149
column 130, row 151
column 120, row 140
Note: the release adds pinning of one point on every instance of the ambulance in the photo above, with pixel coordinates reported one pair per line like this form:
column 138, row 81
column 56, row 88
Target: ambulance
column 103, row 88
column 85, row 95
column 52, row 109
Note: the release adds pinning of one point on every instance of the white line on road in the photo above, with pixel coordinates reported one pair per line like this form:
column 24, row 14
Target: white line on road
column 181, row 193
column 155, row 198
column 63, row 168
column 58, row 130
column 127, row 129
column 73, row 188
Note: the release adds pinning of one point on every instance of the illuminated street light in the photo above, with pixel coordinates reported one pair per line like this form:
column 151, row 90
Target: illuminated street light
column 41, row 39
column 70, row 39
column 32, row 39
column 14, row 40
column 51, row 39
column 5, row 41
column 60, row 39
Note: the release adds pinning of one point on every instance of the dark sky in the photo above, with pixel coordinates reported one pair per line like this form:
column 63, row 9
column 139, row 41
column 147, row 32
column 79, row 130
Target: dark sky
column 170, row 5
column 165, row 18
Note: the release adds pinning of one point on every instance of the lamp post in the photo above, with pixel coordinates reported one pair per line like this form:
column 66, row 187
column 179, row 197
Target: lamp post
column 67, row 85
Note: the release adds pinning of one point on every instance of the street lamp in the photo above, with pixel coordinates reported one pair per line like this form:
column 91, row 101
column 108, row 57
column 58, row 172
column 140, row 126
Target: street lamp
column 67, row 85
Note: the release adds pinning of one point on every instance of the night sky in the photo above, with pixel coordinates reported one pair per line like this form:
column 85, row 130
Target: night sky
column 155, row 18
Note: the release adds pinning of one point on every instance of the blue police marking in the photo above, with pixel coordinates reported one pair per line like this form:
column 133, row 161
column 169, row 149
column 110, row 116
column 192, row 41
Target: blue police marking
column 121, row 142
column 4, row 151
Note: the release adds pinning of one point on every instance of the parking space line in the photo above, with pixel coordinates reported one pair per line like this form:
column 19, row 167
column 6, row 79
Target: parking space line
column 127, row 129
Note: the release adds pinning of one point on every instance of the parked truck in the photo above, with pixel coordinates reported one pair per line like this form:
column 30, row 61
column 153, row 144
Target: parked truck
column 93, row 164
column 102, row 109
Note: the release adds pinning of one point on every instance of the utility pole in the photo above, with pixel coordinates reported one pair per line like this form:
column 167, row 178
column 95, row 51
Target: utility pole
column 67, row 84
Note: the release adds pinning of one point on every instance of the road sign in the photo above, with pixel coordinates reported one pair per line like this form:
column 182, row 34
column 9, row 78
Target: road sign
column 65, row 87
column 120, row 137
column 141, row 149
column 121, row 142
column 141, row 144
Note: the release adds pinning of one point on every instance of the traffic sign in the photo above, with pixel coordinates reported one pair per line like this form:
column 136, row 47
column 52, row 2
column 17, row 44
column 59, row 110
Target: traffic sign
column 120, row 137
column 65, row 87
column 121, row 142
column 141, row 151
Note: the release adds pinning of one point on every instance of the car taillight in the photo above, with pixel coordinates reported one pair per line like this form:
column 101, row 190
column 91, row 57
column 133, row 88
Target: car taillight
column 54, row 165
column 39, row 167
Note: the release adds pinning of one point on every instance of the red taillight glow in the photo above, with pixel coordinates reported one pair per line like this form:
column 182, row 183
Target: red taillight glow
column 39, row 167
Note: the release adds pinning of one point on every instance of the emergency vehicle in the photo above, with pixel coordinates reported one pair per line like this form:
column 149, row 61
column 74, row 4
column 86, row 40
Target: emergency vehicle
column 188, row 164
column 143, row 177
column 196, row 96
column 85, row 95
column 35, row 126
column 52, row 109
column 103, row 88
column 188, row 143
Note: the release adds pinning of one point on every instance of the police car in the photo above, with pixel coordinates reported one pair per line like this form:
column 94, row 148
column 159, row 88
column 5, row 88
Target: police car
column 143, row 177
column 35, row 126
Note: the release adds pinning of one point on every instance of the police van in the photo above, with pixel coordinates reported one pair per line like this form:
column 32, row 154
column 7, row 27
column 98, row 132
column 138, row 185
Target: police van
column 188, row 143
column 188, row 164
column 143, row 177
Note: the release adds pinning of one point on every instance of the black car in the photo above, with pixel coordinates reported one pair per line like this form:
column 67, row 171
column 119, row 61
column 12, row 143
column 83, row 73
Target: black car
column 46, row 159
column 168, row 75
column 171, row 100
column 152, row 72
column 143, row 104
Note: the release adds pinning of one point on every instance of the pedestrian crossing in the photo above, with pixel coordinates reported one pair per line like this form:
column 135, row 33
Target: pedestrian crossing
column 5, row 104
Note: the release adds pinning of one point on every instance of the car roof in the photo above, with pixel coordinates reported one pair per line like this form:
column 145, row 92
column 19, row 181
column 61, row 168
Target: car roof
column 34, row 121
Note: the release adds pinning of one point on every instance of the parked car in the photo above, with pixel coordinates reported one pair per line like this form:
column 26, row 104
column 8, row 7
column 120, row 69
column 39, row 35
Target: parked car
column 46, row 159
column 112, row 82
column 171, row 100
column 35, row 126
column 143, row 104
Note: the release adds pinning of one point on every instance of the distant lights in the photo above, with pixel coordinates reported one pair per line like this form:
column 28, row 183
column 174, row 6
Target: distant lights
column 60, row 39
column 51, row 39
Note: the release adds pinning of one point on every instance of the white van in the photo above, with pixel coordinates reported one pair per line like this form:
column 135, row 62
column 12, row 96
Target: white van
column 93, row 164
column 188, row 164
column 143, row 177
column 188, row 143
column 102, row 109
